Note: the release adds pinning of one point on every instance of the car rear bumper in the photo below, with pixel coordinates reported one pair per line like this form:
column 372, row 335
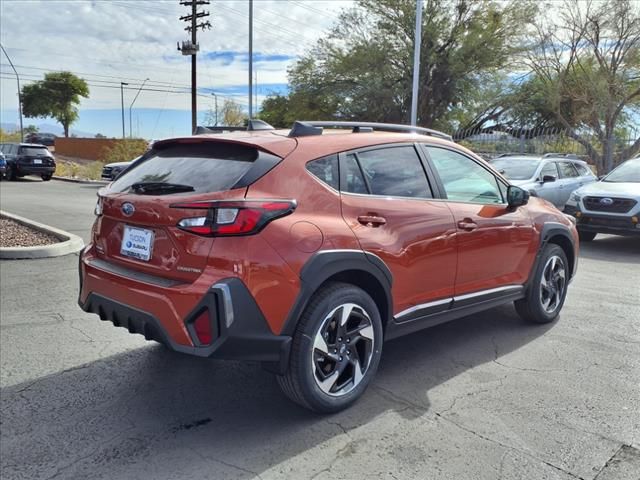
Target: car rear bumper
column 35, row 169
column 166, row 313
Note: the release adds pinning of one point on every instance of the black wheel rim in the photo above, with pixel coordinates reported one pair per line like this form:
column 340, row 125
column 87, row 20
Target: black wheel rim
column 342, row 349
column 552, row 284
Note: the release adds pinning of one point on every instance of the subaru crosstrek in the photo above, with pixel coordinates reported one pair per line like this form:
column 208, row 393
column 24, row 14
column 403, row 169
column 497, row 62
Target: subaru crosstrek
column 306, row 250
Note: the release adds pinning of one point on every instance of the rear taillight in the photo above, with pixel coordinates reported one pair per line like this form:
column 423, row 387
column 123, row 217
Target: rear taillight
column 233, row 217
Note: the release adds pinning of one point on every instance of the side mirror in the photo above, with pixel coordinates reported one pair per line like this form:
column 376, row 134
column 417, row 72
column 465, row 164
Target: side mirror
column 548, row 178
column 516, row 196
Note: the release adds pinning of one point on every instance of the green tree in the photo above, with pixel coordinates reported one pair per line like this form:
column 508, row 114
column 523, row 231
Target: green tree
column 30, row 129
column 56, row 96
column 363, row 69
column 586, row 69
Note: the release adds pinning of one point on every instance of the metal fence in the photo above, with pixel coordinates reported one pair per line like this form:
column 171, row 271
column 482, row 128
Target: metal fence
column 492, row 142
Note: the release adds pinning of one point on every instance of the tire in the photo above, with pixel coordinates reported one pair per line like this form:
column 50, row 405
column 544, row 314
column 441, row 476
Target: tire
column 46, row 178
column 11, row 174
column 586, row 236
column 548, row 287
column 323, row 374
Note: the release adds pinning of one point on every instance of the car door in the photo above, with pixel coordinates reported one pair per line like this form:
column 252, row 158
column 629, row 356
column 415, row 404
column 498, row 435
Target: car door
column 585, row 174
column 388, row 203
column 495, row 242
column 568, row 182
column 549, row 190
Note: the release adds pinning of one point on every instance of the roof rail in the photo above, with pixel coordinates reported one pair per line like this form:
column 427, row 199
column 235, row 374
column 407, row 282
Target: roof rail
column 315, row 128
column 252, row 126
column 561, row 155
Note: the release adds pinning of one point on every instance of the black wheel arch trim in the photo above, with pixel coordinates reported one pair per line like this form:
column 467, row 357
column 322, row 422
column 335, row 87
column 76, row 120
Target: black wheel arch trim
column 550, row 230
column 328, row 263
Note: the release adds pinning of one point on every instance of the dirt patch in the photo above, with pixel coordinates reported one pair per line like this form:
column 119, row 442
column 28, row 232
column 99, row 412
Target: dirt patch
column 14, row 234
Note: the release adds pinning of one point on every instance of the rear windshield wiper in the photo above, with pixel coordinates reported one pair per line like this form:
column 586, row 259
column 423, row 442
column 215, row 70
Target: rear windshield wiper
column 160, row 187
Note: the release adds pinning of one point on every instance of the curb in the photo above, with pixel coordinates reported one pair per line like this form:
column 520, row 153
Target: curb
column 75, row 180
column 69, row 243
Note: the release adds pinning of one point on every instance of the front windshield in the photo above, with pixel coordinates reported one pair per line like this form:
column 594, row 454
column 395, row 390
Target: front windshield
column 629, row 171
column 516, row 168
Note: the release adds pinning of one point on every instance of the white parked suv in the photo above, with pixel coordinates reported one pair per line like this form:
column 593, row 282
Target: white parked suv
column 611, row 205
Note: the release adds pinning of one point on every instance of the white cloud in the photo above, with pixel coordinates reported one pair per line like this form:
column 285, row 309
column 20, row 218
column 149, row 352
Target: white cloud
column 130, row 40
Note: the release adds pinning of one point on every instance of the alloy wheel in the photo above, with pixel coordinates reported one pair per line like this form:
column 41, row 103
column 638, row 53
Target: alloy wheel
column 342, row 349
column 553, row 284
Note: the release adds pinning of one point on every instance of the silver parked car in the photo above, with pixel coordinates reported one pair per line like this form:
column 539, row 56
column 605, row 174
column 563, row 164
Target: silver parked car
column 552, row 176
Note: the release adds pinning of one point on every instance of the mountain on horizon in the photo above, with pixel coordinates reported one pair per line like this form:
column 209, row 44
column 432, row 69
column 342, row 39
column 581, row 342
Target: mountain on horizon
column 45, row 128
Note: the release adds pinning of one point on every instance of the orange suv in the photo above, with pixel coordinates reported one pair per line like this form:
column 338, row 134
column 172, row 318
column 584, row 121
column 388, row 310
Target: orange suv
column 306, row 250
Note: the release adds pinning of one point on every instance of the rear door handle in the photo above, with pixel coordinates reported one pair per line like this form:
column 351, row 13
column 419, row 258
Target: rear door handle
column 467, row 225
column 372, row 220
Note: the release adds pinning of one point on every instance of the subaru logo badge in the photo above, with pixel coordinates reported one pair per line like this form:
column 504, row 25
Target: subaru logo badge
column 128, row 209
column 606, row 201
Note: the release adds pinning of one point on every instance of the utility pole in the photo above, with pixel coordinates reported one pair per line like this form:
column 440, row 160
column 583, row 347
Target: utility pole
column 417, row 40
column 131, row 106
column 215, row 97
column 191, row 48
column 122, row 84
column 250, row 59
column 19, row 92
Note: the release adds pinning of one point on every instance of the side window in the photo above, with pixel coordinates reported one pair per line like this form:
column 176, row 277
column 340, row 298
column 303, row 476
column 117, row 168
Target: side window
column 394, row 171
column 583, row 170
column 567, row 170
column 463, row 179
column 326, row 169
column 549, row 169
column 355, row 180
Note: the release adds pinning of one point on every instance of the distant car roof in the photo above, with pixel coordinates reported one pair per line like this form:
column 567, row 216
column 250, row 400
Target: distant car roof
column 538, row 157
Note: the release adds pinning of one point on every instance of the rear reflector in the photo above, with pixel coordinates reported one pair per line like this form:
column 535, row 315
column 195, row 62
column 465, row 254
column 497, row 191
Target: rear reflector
column 202, row 327
column 233, row 217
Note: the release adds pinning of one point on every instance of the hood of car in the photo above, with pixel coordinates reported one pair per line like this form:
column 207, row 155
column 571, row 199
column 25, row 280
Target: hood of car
column 628, row 189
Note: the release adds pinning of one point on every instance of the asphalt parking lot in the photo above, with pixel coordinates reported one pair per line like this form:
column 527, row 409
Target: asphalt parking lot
column 485, row 397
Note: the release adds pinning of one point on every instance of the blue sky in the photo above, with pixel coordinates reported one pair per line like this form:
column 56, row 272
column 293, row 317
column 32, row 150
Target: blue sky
column 108, row 42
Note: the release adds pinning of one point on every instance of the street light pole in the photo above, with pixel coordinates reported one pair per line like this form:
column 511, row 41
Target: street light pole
column 131, row 106
column 19, row 92
column 215, row 97
column 122, row 84
column 416, row 63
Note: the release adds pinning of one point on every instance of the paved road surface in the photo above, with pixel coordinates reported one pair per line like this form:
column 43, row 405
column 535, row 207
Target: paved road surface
column 485, row 397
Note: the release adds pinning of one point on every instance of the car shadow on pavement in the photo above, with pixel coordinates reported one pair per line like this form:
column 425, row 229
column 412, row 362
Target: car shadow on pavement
column 612, row 248
column 140, row 409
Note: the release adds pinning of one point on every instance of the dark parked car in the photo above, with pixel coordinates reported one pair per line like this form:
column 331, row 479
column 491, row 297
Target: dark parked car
column 48, row 139
column 112, row 170
column 3, row 166
column 28, row 159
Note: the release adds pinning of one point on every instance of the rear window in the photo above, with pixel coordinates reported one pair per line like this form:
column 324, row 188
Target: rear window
column 207, row 167
column 35, row 151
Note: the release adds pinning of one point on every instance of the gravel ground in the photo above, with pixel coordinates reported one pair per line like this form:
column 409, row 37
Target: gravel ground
column 13, row 234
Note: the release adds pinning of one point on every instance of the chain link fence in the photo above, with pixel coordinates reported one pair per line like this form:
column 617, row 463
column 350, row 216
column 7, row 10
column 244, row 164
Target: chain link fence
column 490, row 143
